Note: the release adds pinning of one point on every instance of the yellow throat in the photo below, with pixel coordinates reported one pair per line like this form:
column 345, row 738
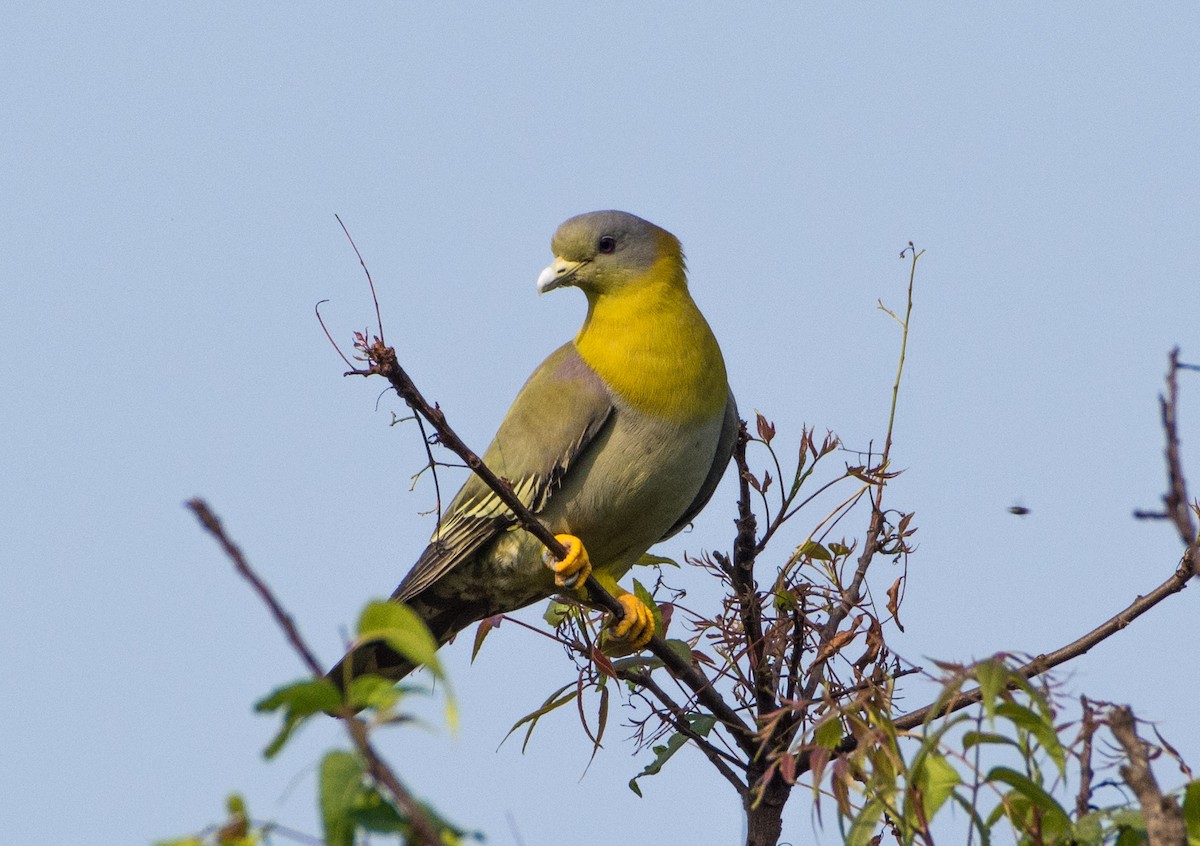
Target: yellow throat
column 651, row 344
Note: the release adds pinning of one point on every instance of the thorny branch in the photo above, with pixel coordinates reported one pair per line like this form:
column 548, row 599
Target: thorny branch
column 422, row 826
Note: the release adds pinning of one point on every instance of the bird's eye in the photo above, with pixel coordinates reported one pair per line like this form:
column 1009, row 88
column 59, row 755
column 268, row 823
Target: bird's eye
column 606, row 244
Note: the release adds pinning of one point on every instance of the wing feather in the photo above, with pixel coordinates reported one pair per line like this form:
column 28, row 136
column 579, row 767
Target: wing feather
column 567, row 405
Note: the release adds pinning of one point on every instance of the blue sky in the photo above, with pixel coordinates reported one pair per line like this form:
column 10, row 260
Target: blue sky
column 170, row 175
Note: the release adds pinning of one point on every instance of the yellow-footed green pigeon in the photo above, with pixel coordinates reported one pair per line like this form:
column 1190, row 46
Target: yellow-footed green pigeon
column 616, row 442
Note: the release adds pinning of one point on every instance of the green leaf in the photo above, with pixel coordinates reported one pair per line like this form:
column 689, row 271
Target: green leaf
column 936, row 779
column 812, row 549
column 974, row 738
column 1038, row 725
column 557, row 611
column 553, row 701
column 829, row 733
column 648, row 560
column 992, row 676
column 1088, row 830
column 862, row 829
column 1053, row 814
column 373, row 813
column 299, row 701
column 1131, row 836
column 681, row 648
column 1191, row 812
column 340, row 789
column 373, row 692
column 403, row 630
column 235, row 805
column 701, row 725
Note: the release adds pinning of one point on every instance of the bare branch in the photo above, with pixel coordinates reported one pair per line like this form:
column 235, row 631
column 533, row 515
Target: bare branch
column 370, row 281
column 1048, row 661
column 1176, row 498
column 1083, row 801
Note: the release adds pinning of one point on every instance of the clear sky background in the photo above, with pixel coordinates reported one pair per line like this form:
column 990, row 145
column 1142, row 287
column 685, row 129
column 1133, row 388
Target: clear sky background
column 169, row 175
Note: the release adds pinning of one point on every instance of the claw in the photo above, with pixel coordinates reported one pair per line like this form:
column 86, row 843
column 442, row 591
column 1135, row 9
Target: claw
column 573, row 570
column 634, row 629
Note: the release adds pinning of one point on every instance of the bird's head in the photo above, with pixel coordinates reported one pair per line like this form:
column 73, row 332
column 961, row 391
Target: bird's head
column 604, row 252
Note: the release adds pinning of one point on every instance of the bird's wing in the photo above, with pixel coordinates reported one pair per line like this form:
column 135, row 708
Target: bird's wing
column 554, row 418
column 729, row 431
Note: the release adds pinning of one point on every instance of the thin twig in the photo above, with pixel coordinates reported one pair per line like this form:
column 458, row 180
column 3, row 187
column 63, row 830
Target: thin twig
column 873, row 540
column 678, row 718
column 1176, row 498
column 1043, row 663
column 370, row 281
column 212, row 525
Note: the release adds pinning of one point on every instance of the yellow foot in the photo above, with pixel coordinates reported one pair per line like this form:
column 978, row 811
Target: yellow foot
column 633, row 630
column 573, row 570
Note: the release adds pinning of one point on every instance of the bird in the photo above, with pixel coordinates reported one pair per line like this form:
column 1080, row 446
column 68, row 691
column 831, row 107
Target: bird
column 616, row 442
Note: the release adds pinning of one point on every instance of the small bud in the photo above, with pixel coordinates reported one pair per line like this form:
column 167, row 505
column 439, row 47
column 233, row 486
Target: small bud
column 766, row 429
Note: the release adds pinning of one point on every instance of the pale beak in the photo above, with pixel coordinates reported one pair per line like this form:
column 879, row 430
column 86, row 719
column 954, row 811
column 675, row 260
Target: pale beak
column 559, row 273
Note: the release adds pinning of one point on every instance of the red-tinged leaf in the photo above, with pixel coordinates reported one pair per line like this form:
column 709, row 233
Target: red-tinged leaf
column 893, row 603
column 701, row 658
column 766, row 481
column 583, row 717
column 839, row 785
column 787, row 764
column 667, row 609
column 766, row 429
column 818, row 758
column 874, row 644
column 602, row 663
column 840, row 640
column 485, row 627
column 754, row 483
